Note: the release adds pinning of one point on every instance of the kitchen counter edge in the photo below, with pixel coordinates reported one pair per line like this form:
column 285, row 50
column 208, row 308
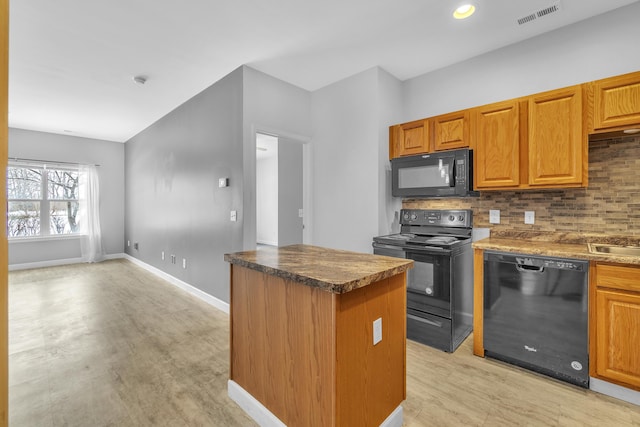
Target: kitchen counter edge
column 332, row 270
column 551, row 248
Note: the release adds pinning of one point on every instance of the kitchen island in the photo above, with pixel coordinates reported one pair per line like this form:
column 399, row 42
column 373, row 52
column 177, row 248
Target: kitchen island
column 318, row 336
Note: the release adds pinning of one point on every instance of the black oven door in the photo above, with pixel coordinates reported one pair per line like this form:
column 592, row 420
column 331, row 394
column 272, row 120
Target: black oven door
column 429, row 282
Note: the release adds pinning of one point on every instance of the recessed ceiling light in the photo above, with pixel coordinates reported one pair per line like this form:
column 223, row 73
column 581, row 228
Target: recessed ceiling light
column 464, row 11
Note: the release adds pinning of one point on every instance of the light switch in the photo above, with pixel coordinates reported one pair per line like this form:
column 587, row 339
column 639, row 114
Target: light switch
column 529, row 217
column 234, row 216
column 223, row 182
column 494, row 216
column 377, row 330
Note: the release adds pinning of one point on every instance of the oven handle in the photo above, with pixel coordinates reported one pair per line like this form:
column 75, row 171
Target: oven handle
column 423, row 320
column 426, row 250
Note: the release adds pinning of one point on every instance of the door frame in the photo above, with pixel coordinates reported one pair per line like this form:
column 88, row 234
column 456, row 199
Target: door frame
column 4, row 275
column 307, row 237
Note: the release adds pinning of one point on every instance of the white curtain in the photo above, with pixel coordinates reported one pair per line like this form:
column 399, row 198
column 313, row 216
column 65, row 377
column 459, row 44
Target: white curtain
column 91, row 242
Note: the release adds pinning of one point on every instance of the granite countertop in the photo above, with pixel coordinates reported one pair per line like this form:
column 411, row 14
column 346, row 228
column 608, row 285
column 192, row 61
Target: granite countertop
column 329, row 269
column 564, row 245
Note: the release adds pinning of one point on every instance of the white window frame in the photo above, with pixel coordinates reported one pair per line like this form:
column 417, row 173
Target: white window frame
column 45, row 202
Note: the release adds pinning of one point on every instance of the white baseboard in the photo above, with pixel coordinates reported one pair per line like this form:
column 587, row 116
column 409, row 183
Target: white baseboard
column 265, row 418
column 614, row 390
column 209, row 299
column 252, row 407
column 56, row 262
column 395, row 419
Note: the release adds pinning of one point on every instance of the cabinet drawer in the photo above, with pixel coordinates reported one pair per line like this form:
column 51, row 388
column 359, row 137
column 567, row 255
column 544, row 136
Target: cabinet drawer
column 621, row 277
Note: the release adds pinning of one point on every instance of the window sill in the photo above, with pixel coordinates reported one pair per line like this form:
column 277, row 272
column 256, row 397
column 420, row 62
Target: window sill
column 44, row 238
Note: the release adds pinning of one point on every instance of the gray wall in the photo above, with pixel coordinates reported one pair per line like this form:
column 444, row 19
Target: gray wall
column 173, row 202
column 603, row 46
column 53, row 147
column 274, row 107
column 350, row 146
column 289, row 192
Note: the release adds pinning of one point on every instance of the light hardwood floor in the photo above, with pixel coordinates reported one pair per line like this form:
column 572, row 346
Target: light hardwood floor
column 111, row 344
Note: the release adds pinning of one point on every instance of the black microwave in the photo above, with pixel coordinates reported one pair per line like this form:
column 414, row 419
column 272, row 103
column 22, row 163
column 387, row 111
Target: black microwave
column 440, row 174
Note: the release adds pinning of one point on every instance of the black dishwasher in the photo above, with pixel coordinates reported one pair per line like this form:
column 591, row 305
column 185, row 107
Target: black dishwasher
column 535, row 314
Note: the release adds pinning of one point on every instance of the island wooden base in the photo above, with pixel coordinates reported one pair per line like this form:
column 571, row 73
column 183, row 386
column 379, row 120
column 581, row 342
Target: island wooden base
column 307, row 355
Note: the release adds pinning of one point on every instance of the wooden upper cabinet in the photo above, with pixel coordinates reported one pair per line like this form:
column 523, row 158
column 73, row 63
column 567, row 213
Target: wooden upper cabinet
column 411, row 138
column 615, row 102
column 496, row 129
column 557, row 143
column 451, row 130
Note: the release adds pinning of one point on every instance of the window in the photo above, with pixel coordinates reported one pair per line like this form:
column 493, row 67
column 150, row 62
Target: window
column 42, row 200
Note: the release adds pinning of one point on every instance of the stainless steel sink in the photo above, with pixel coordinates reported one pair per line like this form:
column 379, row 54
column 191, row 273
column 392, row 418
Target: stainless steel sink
column 603, row 248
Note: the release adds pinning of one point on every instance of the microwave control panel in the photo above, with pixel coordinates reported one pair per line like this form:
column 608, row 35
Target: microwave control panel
column 461, row 173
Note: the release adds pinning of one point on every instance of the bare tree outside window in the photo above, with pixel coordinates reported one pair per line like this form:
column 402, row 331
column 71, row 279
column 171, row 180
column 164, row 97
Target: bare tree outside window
column 63, row 188
column 38, row 196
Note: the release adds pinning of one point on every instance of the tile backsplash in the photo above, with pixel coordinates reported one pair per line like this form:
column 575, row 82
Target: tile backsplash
column 610, row 204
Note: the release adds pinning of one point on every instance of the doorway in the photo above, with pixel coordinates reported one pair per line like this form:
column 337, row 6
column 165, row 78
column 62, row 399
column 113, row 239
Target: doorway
column 279, row 191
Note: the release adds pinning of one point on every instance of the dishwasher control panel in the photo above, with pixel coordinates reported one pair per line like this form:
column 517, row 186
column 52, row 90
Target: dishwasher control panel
column 560, row 264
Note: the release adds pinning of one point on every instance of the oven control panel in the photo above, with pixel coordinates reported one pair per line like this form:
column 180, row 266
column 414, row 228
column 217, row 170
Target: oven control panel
column 443, row 218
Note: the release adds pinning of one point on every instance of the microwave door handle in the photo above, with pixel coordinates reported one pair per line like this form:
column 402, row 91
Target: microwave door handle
column 452, row 174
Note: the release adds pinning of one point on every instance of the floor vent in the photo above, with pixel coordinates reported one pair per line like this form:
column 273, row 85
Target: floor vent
column 539, row 13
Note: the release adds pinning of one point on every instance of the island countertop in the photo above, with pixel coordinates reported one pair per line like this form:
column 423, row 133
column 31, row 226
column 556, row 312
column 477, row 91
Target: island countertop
column 333, row 270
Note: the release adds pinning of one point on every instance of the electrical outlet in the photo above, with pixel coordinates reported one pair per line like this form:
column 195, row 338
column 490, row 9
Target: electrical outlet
column 300, row 213
column 184, row 263
column 128, row 243
column 163, row 255
column 529, row 217
column 223, row 182
column 377, row 330
column 494, row 216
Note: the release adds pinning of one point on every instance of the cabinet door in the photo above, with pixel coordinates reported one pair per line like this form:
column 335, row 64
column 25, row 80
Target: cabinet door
column 557, row 143
column 497, row 145
column 451, row 130
column 413, row 138
column 616, row 102
column 618, row 336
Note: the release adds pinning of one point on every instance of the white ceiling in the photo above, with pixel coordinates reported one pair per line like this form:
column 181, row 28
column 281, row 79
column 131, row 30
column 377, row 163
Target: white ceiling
column 72, row 61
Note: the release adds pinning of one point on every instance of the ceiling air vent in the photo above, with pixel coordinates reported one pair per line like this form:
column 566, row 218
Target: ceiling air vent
column 539, row 13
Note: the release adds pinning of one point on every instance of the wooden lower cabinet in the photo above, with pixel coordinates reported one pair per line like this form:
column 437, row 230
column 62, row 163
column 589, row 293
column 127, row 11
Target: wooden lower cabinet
column 615, row 333
column 307, row 354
